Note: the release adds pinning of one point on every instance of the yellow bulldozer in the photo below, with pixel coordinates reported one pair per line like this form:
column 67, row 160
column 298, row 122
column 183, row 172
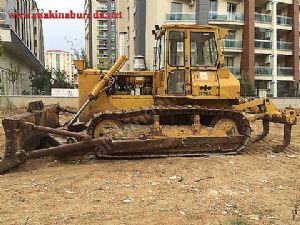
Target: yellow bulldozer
column 189, row 105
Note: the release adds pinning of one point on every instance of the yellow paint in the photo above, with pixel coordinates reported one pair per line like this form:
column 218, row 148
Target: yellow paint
column 213, row 86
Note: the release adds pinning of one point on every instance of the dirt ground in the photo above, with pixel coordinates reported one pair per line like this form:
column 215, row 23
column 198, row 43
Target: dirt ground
column 258, row 187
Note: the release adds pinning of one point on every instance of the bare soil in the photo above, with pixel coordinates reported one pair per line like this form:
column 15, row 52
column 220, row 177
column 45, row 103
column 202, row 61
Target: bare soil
column 258, row 187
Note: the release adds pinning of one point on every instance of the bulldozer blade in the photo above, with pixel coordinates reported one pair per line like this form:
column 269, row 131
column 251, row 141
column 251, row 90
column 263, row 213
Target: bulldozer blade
column 20, row 136
column 105, row 147
column 9, row 163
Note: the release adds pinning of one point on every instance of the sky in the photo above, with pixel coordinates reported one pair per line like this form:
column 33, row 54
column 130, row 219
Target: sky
column 58, row 31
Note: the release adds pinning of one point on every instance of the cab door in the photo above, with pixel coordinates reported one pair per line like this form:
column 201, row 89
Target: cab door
column 177, row 69
column 203, row 63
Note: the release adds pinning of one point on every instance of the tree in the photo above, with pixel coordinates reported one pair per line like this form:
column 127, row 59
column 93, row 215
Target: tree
column 1, row 47
column 83, row 57
column 79, row 53
column 105, row 64
column 41, row 83
column 13, row 76
column 59, row 80
column 287, row 89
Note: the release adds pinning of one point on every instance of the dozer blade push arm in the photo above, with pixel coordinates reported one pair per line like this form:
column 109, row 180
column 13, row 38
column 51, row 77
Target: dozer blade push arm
column 99, row 87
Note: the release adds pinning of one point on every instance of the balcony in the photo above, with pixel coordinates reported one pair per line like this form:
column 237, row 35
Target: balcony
column 284, row 21
column 263, row 71
column 234, row 70
column 104, row 56
column 285, row 46
column 103, row 7
column 102, row 27
column 213, row 16
column 263, row 18
column 188, row 17
column 232, row 43
column 102, row 46
column 267, row 71
column 102, row 37
column 233, row 17
column 263, row 44
column 285, row 71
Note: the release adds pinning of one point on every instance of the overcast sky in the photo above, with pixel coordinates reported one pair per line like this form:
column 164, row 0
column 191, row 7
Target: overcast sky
column 58, row 31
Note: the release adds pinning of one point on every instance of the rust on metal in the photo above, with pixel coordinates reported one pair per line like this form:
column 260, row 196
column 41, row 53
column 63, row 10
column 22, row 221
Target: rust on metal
column 56, row 131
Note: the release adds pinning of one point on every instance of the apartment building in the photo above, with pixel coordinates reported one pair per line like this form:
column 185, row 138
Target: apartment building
column 100, row 34
column 262, row 40
column 62, row 61
column 23, row 47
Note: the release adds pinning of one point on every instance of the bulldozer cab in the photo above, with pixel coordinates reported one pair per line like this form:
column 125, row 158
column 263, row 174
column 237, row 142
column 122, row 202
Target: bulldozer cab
column 189, row 57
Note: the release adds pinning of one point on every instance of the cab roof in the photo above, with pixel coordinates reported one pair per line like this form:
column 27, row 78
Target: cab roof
column 188, row 26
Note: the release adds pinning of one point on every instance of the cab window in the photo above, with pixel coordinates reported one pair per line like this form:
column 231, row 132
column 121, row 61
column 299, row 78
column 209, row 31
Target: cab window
column 176, row 48
column 203, row 49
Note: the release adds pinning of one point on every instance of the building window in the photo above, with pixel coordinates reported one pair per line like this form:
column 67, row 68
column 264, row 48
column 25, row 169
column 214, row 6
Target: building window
column 213, row 5
column 262, row 34
column 57, row 61
column 229, row 61
column 176, row 7
column 231, row 34
column 128, row 14
column 231, row 7
column 128, row 34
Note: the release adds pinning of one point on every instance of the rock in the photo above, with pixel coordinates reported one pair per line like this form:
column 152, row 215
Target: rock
column 193, row 189
column 254, row 217
column 264, row 180
column 292, row 156
column 127, row 200
column 230, row 206
column 182, row 212
column 203, row 178
column 176, row 178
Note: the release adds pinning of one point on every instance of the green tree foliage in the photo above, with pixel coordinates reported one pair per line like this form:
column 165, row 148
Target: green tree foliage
column 287, row 89
column 105, row 64
column 1, row 47
column 14, row 76
column 59, row 80
column 41, row 83
column 83, row 56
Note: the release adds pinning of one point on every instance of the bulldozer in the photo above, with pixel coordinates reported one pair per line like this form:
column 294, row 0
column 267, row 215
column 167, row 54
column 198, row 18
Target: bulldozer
column 190, row 104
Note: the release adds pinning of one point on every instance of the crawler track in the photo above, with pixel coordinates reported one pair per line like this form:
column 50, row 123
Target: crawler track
column 187, row 146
